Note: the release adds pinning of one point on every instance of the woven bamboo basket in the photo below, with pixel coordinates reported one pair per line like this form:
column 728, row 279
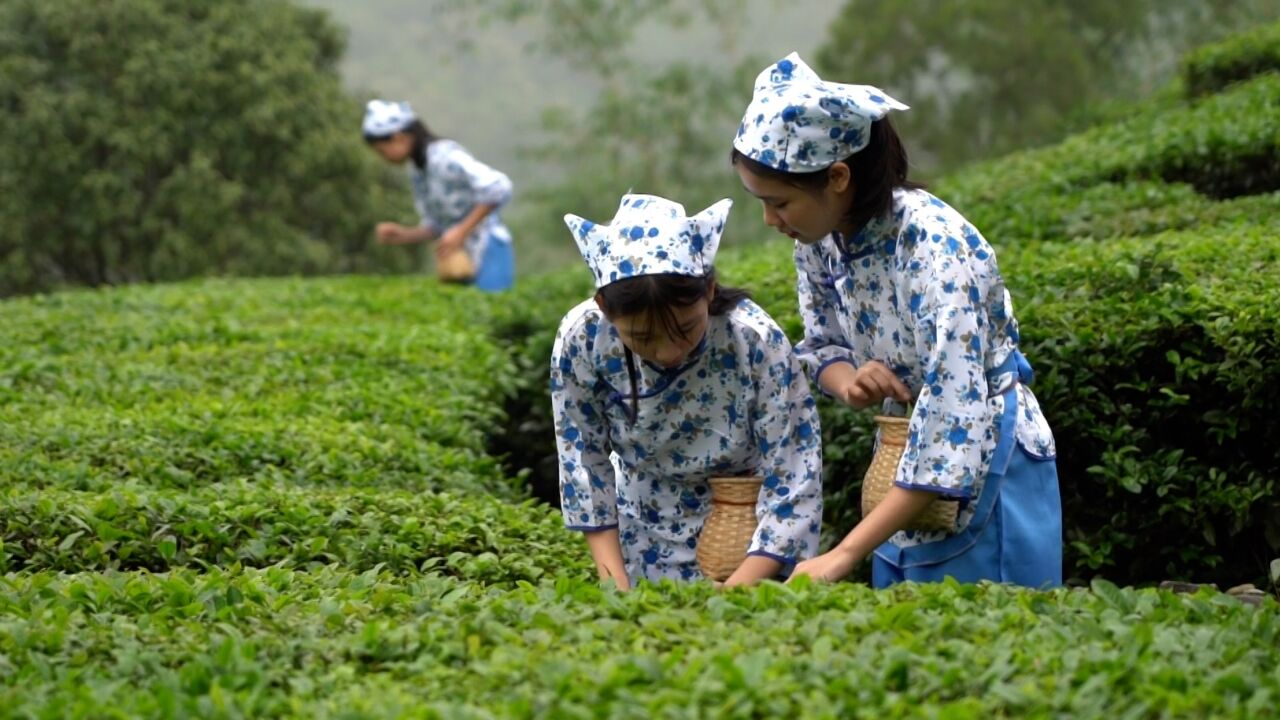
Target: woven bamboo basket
column 455, row 267
column 725, row 537
column 937, row 515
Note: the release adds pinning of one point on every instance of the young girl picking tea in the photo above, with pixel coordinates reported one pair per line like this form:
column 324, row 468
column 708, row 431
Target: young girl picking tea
column 663, row 380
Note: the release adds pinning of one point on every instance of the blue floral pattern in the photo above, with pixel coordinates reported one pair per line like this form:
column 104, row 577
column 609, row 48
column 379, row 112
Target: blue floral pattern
column 452, row 184
column 797, row 122
column 739, row 405
column 650, row 235
column 920, row 292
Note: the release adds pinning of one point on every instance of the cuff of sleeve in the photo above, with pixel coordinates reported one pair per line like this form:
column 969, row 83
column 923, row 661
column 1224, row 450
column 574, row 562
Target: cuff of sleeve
column 826, row 364
column 962, row 495
column 765, row 553
column 591, row 528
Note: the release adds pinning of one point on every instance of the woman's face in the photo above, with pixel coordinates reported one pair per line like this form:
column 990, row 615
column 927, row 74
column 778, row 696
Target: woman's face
column 800, row 213
column 648, row 336
column 395, row 149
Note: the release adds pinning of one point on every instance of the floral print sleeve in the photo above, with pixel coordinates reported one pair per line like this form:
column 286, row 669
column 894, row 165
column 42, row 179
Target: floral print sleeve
column 588, row 489
column 952, row 430
column 786, row 431
column 488, row 186
column 824, row 341
column 450, row 187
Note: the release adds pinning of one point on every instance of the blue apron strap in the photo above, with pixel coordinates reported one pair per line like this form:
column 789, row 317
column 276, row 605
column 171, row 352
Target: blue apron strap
column 1026, row 375
column 1015, row 364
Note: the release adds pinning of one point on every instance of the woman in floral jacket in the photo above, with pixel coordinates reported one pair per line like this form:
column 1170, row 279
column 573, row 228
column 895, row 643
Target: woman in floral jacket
column 902, row 302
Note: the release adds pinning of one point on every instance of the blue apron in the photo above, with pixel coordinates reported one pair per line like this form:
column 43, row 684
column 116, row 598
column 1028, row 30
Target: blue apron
column 1015, row 535
column 497, row 269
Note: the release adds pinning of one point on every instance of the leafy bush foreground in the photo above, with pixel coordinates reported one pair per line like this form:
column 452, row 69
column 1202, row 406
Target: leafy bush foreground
column 331, row 643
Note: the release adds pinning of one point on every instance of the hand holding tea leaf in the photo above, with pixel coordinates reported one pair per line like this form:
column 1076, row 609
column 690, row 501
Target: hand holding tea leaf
column 828, row 567
column 864, row 386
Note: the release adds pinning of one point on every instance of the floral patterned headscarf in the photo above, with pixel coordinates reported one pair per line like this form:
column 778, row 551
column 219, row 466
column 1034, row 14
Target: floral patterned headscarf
column 799, row 123
column 650, row 235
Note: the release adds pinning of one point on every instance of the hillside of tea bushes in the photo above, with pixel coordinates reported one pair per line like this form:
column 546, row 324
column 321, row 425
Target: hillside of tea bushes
column 1143, row 258
column 285, row 498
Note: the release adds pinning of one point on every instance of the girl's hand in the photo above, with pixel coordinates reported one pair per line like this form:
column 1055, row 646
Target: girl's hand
column 829, row 567
column 389, row 233
column 607, row 554
column 866, row 386
column 451, row 241
column 621, row 582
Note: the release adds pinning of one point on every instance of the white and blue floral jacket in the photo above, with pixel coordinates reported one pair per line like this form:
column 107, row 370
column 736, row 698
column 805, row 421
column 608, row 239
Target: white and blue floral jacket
column 453, row 183
column 919, row 291
column 739, row 405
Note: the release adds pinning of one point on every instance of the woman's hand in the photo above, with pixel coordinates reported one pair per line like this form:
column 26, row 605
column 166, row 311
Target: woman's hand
column 607, row 554
column 891, row 515
column 829, row 567
column 390, row 233
column 620, row 581
column 451, row 241
column 864, row 386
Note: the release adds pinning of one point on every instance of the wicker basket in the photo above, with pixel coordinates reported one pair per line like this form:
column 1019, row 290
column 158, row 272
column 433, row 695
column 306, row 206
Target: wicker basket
column 725, row 537
column 937, row 515
column 456, row 267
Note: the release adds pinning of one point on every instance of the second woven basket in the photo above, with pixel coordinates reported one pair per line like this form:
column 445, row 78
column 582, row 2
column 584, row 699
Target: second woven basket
column 937, row 515
column 456, row 267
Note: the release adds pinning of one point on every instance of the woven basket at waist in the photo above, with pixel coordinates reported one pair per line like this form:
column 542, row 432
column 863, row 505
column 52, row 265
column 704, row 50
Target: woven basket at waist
column 727, row 533
column 937, row 515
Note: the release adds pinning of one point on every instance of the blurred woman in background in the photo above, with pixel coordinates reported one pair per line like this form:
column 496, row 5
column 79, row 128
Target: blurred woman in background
column 456, row 195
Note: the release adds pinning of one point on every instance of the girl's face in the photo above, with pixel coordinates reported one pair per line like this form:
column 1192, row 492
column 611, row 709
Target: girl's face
column 800, row 213
column 395, row 149
column 648, row 336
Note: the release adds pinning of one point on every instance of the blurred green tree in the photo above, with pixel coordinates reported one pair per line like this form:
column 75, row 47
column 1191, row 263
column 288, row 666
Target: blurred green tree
column 985, row 77
column 664, row 128
column 148, row 140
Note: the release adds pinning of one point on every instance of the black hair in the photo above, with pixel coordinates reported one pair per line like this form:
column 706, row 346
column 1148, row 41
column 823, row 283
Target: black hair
column 656, row 297
column 876, row 170
column 422, row 137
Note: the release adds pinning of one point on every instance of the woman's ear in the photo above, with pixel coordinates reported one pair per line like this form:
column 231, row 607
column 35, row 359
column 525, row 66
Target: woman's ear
column 600, row 303
column 711, row 291
column 839, row 177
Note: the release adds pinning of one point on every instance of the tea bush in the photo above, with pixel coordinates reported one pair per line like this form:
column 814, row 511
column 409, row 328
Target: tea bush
column 1224, row 145
column 132, row 527
column 358, row 381
column 335, row 643
column 1213, row 67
